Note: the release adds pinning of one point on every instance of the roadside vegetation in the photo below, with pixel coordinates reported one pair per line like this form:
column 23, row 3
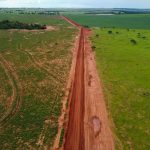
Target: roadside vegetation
column 123, row 61
column 34, row 67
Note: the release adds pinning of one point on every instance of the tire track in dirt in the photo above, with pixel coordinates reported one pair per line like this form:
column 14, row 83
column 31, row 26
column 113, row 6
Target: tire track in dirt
column 16, row 98
column 88, row 126
column 41, row 138
column 39, row 66
column 75, row 130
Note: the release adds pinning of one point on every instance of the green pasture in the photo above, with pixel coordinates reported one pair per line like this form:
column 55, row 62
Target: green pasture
column 136, row 21
column 124, row 68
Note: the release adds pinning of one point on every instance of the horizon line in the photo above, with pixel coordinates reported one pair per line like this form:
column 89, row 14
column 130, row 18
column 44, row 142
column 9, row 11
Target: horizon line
column 75, row 7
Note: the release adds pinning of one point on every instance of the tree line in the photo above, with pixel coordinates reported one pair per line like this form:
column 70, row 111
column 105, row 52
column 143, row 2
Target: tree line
column 6, row 24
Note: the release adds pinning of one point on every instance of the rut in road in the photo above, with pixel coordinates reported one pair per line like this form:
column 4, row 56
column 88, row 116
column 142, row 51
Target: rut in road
column 75, row 132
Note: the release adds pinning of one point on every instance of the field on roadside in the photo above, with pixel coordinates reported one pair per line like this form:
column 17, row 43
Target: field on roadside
column 34, row 67
column 123, row 61
column 138, row 21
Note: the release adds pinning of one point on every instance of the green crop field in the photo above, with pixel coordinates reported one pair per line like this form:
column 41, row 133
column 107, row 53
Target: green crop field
column 138, row 21
column 123, row 61
column 34, row 67
column 29, row 18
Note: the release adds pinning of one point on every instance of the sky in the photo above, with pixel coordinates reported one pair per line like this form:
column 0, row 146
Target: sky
column 76, row 3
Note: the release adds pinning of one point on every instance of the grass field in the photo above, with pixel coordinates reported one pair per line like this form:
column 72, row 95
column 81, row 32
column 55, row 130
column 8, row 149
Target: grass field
column 34, row 66
column 124, row 67
column 118, row 21
column 29, row 18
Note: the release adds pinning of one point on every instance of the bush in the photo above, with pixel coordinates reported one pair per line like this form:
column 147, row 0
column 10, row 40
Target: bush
column 133, row 41
column 138, row 35
column 97, row 35
column 85, row 26
column 110, row 32
column 93, row 47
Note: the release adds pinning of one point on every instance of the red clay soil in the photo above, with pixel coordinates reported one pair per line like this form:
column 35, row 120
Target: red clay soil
column 88, row 126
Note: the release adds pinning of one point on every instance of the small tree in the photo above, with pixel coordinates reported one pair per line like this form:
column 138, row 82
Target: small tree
column 86, row 26
column 93, row 47
column 109, row 32
column 133, row 41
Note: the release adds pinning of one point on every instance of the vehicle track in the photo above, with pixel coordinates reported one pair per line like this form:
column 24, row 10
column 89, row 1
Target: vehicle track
column 16, row 98
column 75, row 132
column 39, row 66
column 88, row 126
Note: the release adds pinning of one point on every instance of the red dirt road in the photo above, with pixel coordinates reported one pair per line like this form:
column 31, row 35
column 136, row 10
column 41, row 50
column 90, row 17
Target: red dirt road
column 88, row 125
column 75, row 132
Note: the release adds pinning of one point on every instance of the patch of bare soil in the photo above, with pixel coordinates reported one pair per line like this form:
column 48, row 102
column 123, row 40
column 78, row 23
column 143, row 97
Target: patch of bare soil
column 23, row 30
column 48, row 28
column 51, row 28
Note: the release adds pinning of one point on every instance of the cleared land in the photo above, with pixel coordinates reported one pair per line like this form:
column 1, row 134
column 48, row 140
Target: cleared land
column 139, row 21
column 124, row 67
column 34, row 67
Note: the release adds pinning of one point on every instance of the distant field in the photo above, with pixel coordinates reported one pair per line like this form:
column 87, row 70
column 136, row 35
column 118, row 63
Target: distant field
column 28, row 18
column 118, row 21
column 124, row 67
column 34, row 66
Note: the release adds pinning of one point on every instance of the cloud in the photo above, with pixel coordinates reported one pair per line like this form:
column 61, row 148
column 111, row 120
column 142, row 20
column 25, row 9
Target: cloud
column 76, row 3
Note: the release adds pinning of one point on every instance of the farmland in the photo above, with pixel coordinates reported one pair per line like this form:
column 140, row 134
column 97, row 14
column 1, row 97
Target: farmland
column 133, row 21
column 43, row 105
column 124, row 68
column 34, row 67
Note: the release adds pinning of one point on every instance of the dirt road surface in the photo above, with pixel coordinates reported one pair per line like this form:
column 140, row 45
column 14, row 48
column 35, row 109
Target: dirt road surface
column 88, row 126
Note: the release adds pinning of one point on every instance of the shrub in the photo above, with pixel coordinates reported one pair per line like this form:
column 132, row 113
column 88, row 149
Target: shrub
column 93, row 47
column 133, row 41
column 97, row 35
column 85, row 26
column 138, row 35
column 110, row 32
